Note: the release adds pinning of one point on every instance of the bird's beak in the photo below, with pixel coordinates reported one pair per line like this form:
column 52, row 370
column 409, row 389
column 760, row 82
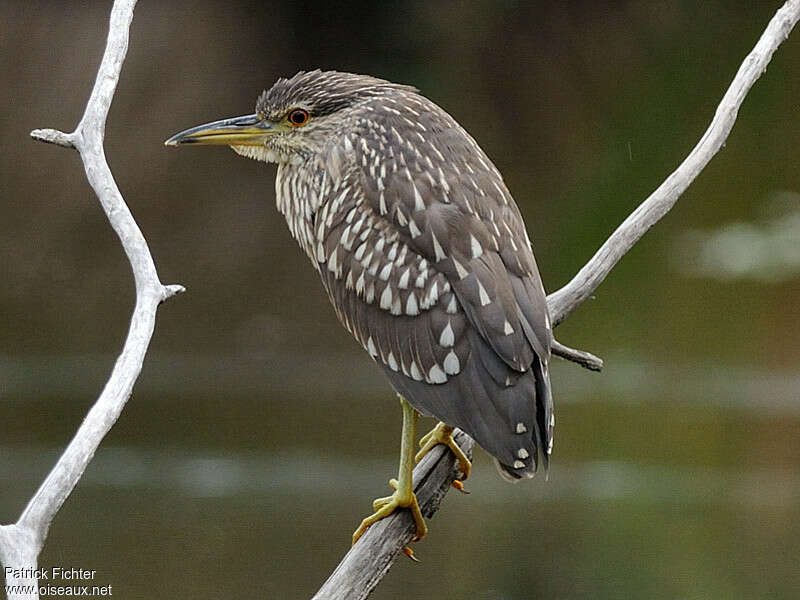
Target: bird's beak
column 249, row 130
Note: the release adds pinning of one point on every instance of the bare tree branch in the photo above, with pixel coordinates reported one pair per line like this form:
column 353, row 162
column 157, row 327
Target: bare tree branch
column 369, row 560
column 53, row 136
column 366, row 563
column 562, row 302
column 21, row 543
column 585, row 359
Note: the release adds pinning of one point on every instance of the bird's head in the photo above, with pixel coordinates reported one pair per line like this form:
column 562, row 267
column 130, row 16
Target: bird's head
column 296, row 118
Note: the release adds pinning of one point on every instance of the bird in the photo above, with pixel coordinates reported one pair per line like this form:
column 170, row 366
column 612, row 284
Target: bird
column 424, row 256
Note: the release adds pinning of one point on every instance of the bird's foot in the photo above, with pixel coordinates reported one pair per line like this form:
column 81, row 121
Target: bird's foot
column 443, row 434
column 459, row 485
column 383, row 507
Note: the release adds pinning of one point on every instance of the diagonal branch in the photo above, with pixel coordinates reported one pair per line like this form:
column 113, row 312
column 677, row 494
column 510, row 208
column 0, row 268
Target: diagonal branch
column 366, row 563
column 562, row 302
column 21, row 542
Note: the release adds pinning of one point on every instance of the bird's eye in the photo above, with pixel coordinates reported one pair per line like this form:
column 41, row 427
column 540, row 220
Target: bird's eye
column 298, row 117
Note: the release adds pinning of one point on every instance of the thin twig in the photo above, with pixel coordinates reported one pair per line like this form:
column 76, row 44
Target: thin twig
column 54, row 136
column 585, row 359
column 562, row 302
column 21, row 542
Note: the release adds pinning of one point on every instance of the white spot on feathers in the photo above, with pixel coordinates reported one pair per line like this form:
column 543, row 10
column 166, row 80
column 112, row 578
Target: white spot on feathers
column 475, row 245
column 415, row 374
column 418, row 202
column 367, row 263
column 385, row 272
column 360, row 284
column 447, row 339
column 386, row 298
column 401, row 218
column 521, row 428
column 370, row 295
column 403, row 283
column 433, row 295
column 484, row 297
column 332, row 265
column 436, row 375
column 437, row 248
column 460, row 270
column 452, row 365
column 360, row 251
column 346, row 242
column 411, row 305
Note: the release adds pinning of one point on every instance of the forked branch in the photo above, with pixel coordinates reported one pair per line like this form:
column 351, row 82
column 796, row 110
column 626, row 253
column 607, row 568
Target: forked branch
column 364, row 565
column 21, row 542
column 562, row 302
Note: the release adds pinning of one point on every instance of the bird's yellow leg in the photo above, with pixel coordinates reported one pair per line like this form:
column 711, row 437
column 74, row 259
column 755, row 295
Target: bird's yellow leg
column 403, row 496
column 443, row 434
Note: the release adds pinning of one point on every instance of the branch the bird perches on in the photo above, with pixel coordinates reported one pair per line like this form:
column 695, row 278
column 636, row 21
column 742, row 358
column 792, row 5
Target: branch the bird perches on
column 366, row 563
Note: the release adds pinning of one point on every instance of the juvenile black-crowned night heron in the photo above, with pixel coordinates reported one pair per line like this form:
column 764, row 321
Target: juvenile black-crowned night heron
column 423, row 253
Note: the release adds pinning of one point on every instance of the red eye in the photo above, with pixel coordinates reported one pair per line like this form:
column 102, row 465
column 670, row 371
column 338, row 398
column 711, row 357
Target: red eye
column 298, row 117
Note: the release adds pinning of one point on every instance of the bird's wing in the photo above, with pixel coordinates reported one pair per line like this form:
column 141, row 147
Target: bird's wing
column 428, row 265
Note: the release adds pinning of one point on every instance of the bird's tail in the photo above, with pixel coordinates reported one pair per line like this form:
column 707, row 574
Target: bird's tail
column 543, row 430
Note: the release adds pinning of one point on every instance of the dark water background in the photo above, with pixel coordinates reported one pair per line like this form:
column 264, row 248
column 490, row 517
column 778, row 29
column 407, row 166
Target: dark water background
column 259, row 432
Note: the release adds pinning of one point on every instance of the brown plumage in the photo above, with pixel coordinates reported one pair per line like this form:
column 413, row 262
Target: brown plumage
column 422, row 251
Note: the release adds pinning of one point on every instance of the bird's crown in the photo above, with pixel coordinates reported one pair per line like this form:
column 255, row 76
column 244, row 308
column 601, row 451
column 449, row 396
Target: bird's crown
column 322, row 92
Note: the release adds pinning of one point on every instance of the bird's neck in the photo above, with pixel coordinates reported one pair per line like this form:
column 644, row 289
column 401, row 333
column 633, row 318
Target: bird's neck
column 298, row 189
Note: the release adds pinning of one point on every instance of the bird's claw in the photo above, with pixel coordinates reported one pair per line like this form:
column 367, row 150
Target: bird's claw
column 443, row 434
column 459, row 485
column 383, row 507
column 410, row 554
column 379, row 503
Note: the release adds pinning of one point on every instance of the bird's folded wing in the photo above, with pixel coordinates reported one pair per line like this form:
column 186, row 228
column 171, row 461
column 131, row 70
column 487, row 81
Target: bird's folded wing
column 439, row 280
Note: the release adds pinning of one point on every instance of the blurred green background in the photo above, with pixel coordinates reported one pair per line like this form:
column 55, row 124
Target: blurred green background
column 259, row 433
